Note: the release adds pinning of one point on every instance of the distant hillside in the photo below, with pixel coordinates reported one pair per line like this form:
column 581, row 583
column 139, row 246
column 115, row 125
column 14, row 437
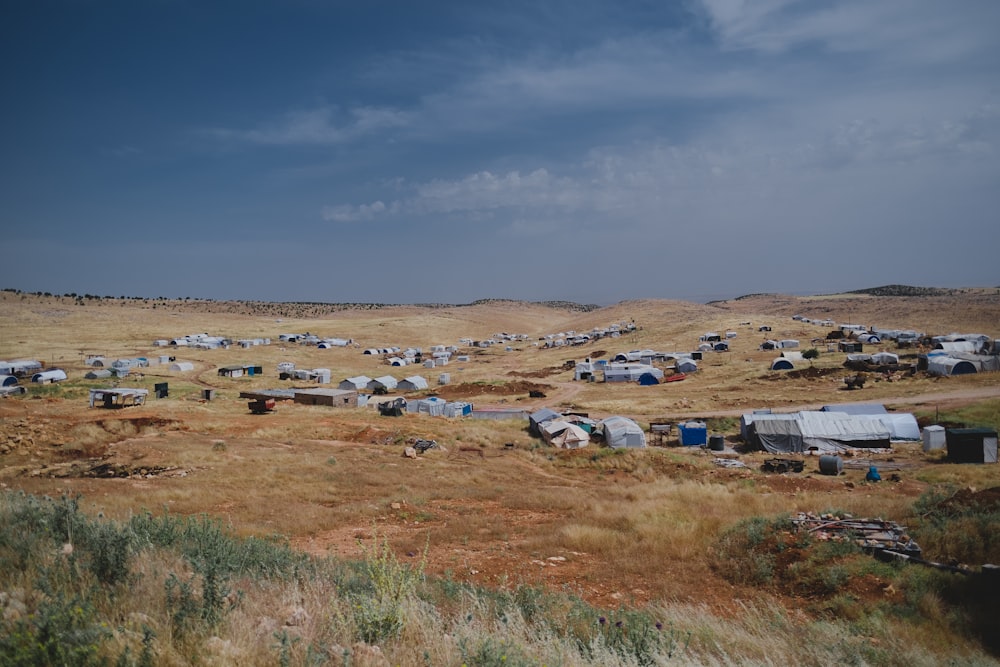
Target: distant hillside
column 904, row 290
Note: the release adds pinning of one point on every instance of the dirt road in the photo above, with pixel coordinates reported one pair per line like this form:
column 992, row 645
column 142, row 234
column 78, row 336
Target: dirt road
column 949, row 398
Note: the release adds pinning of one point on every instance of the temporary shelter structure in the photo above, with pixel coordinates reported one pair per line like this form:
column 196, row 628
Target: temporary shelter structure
column 564, row 435
column 885, row 358
column 412, row 383
column 356, row 383
column 386, row 382
column 98, row 374
column 457, row 409
column 934, row 437
column 971, row 445
column 793, row 355
column 181, row 366
column 539, row 417
column 782, row 364
column 686, row 365
column 10, row 380
column 944, row 365
column 49, row 376
column 117, row 397
column 622, row 432
column 432, row 405
column 824, row 431
column 629, row 372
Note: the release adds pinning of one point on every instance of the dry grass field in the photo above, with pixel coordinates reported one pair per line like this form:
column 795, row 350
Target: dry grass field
column 492, row 506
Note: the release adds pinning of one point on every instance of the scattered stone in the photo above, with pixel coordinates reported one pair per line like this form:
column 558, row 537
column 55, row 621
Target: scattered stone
column 296, row 616
column 410, row 453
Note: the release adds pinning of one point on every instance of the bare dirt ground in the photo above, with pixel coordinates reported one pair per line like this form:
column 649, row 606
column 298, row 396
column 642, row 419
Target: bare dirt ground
column 485, row 512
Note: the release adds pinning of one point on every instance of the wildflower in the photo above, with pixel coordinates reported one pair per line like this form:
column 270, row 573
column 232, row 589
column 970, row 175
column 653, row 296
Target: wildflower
column 618, row 624
column 602, row 620
column 659, row 626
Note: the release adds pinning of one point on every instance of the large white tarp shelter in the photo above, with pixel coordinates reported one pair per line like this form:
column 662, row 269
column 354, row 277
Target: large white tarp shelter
column 824, row 431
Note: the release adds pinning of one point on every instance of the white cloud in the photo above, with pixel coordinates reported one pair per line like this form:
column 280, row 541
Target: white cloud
column 348, row 213
column 319, row 127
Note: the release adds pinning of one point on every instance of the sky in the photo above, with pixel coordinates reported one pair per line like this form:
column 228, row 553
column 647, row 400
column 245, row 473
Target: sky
column 443, row 152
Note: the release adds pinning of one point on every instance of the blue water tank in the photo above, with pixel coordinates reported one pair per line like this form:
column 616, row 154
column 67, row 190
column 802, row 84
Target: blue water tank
column 693, row 433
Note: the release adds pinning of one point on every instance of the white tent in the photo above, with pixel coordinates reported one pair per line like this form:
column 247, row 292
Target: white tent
column 412, row 383
column 622, row 432
column 49, row 376
column 386, row 382
column 782, row 364
column 181, row 366
column 356, row 383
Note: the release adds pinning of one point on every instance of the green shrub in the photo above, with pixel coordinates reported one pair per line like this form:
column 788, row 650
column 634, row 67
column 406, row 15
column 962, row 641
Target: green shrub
column 379, row 614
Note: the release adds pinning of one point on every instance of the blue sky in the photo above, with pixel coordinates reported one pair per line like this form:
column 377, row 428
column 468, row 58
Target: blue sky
column 448, row 151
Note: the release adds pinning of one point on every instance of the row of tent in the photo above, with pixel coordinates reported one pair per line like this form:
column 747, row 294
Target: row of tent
column 386, row 382
column 575, row 431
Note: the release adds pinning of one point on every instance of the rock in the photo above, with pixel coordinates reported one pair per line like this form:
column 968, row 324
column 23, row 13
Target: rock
column 396, row 506
column 296, row 616
column 266, row 626
column 410, row 453
column 366, row 655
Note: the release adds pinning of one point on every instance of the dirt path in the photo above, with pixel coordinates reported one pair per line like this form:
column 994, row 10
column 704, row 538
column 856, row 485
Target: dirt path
column 947, row 397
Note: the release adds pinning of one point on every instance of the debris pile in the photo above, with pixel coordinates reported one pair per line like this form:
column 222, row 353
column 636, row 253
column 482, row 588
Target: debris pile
column 872, row 535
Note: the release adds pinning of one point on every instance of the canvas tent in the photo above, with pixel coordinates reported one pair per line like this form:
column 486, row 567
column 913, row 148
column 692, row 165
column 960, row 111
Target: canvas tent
column 564, row 435
column 412, row 383
column 386, row 382
column 182, row 366
column 622, row 432
column 686, row 365
column 356, row 383
column 10, row 380
column 782, row 364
